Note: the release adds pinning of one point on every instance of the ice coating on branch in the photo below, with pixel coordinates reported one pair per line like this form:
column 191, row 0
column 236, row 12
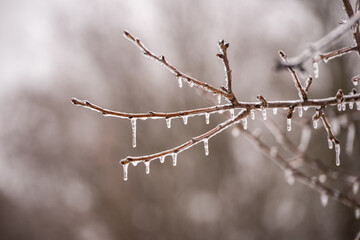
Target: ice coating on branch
column 337, row 152
column 180, row 82
column 168, row 122
column 174, row 158
column 219, row 99
column 207, row 118
column 324, row 199
column 274, row 111
column 288, row 124
column 300, row 111
column 264, row 113
column 315, row 124
column 133, row 130
column 252, row 114
column 244, row 121
column 355, row 187
column 330, row 142
column 125, row 168
column 206, row 146
column 232, row 113
column 162, row 159
column 147, row 167
column 289, row 177
column 185, row 119
column 316, row 69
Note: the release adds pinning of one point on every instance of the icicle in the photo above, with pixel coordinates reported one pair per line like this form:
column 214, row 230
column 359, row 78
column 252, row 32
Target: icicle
column 337, row 152
column 252, row 114
column 219, row 99
column 322, row 178
column 316, row 69
column 358, row 106
column 357, row 213
column 207, row 118
column 185, row 119
column 274, row 111
column 343, row 106
column 306, row 108
column 134, row 163
column 355, row 83
column 324, row 199
column 147, row 167
column 355, row 188
column 162, row 159
column 191, row 84
column 206, row 146
column 339, row 107
column 174, row 157
column 351, row 105
column 289, row 177
column 232, row 113
column 168, row 122
column 125, row 168
column 180, row 82
column 288, row 124
column 133, row 128
column 330, row 142
column 315, row 124
column 264, row 113
column 244, row 121
column 300, row 111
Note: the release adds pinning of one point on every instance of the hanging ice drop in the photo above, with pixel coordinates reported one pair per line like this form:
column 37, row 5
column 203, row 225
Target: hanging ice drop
column 288, row 124
column 168, row 122
column 330, row 143
column 180, row 82
column 206, row 146
column 339, row 107
column 274, row 111
column 244, row 121
column 306, row 108
column 191, row 84
column 351, row 105
column 162, row 159
column 343, row 106
column 232, row 113
column 147, row 167
column 219, row 99
column 174, row 158
column 315, row 123
column 264, row 113
column 125, row 168
column 133, row 128
column 252, row 114
column 337, row 152
column 324, row 199
column 355, row 188
column 207, row 118
column 134, row 163
column 185, row 119
column 300, row 111
column 316, row 69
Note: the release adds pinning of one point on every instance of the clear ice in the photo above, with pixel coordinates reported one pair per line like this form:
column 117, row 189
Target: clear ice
column 125, row 168
column 133, row 128
column 337, row 152
column 206, row 146
column 288, row 124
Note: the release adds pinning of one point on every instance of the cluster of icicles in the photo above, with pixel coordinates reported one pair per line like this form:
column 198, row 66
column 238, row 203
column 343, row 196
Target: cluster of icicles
column 331, row 142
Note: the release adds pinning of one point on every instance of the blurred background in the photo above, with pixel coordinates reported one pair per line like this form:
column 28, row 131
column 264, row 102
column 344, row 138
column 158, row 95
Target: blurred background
column 59, row 171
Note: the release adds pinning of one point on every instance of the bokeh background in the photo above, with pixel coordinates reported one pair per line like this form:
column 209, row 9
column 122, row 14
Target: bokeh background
column 59, row 171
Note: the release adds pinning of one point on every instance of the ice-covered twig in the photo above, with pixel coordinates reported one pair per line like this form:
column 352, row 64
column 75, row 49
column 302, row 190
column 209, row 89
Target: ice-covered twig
column 302, row 92
column 228, row 76
column 173, row 69
column 350, row 12
column 327, row 41
column 337, row 53
column 219, row 128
